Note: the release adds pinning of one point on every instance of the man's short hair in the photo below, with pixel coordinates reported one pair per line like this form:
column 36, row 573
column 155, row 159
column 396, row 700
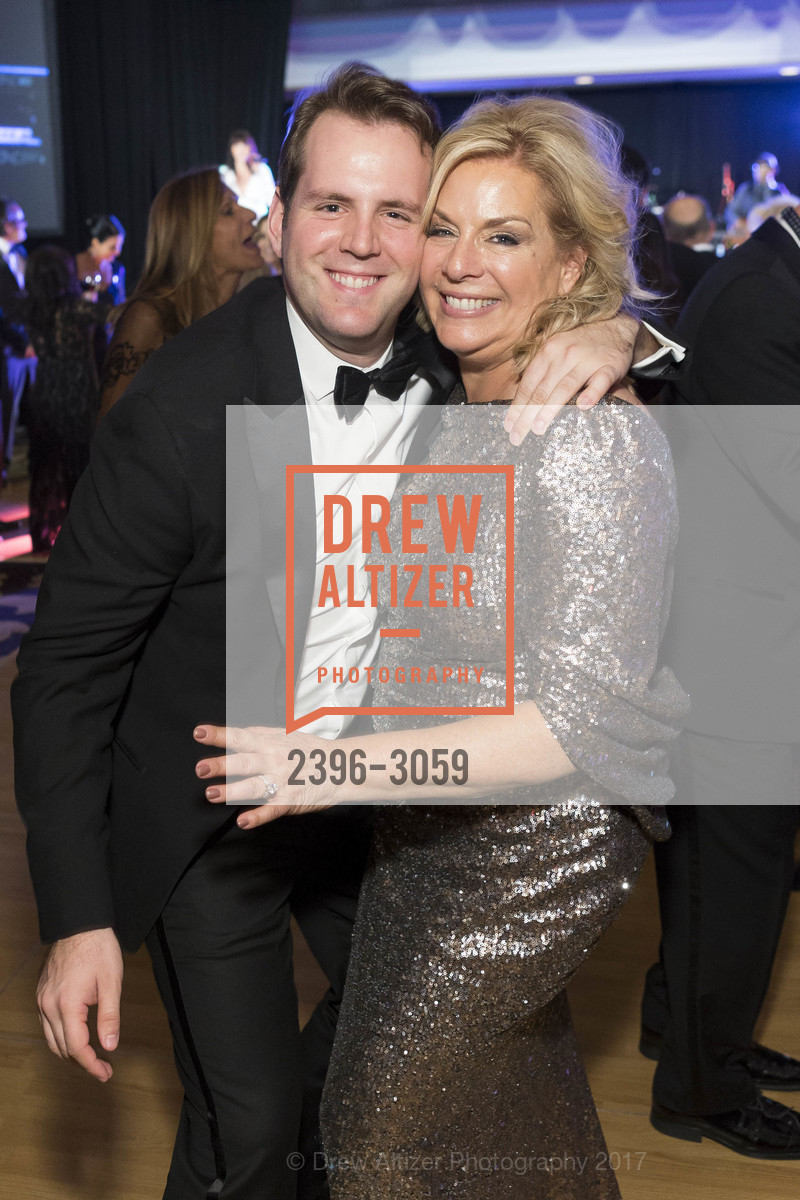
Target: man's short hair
column 683, row 231
column 361, row 92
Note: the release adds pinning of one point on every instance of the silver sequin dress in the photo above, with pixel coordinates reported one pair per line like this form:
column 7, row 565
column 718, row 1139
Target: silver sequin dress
column 455, row 1071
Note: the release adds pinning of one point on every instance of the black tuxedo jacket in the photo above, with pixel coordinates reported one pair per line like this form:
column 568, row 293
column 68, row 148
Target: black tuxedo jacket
column 10, row 291
column 734, row 632
column 128, row 650
column 689, row 266
column 12, row 332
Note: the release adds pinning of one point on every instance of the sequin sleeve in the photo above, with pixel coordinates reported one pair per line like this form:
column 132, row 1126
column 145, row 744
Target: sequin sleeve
column 597, row 522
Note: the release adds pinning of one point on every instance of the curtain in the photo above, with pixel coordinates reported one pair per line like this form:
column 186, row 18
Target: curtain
column 152, row 87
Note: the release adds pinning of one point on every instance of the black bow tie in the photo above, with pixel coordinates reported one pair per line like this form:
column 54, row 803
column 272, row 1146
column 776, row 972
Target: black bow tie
column 390, row 380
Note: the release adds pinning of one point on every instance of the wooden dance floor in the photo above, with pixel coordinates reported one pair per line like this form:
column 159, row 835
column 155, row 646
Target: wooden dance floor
column 65, row 1137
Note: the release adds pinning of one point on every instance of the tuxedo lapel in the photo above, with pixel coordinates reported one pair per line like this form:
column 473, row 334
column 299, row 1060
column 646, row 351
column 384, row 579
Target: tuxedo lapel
column 276, row 431
column 784, row 245
column 441, row 371
column 276, row 435
column 10, row 294
column 275, row 442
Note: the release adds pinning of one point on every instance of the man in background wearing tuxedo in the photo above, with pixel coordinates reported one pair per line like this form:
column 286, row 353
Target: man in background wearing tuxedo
column 689, row 228
column 13, row 339
column 12, row 268
column 734, row 642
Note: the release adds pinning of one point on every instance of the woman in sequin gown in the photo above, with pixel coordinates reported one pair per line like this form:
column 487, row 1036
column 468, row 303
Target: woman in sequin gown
column 455, row 1071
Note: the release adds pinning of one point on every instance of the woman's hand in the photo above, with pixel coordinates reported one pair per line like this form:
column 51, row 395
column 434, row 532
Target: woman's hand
column 261, row 758
column 588, row 362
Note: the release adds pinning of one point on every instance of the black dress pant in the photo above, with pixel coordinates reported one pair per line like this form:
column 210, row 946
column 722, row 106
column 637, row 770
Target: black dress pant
column 724, row 881
column 222, row 958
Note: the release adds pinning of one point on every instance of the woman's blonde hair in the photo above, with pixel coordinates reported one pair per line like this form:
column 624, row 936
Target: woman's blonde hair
column 588, row 202
column 178, row 274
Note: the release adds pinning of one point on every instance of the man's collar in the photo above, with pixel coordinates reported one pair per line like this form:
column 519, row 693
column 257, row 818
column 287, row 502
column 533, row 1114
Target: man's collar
column 318, row 365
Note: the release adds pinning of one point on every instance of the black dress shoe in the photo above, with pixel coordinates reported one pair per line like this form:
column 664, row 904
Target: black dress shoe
column 769, row 1069
column 650, row 1043
column 763, row 1129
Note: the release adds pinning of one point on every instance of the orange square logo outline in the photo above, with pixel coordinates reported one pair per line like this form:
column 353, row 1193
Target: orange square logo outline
column 292, row 470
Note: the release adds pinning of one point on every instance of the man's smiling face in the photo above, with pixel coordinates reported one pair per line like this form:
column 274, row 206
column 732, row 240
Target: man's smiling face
column 351, row 243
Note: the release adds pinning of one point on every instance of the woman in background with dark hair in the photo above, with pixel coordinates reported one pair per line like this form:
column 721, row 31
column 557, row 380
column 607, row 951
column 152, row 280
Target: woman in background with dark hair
column 199, row 244
column 247, row 174
column 95, row 265
column 67, row 332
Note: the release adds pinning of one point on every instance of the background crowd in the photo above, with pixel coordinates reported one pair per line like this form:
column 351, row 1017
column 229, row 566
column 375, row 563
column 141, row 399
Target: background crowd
column 72, row 341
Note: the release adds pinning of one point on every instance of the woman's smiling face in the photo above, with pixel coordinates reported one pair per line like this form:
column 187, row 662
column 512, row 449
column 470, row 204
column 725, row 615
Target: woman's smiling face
column 490, row 260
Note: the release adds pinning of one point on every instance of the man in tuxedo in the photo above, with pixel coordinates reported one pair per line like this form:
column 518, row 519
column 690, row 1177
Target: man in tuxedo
column 128, row 649
column 12, row 268
column 734, row 641
column 689, row 227
column 13, row 340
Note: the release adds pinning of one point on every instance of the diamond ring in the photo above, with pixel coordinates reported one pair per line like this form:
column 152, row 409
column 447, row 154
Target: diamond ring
column 269, row 787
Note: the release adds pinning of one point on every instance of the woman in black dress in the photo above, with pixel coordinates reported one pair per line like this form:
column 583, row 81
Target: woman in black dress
column 67, row 333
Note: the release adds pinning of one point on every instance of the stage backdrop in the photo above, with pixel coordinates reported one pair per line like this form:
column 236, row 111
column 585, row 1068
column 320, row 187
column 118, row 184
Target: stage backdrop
column 152, row 87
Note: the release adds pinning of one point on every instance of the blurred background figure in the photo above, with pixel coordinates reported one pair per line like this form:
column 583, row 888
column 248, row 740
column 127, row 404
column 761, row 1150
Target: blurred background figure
column 247, row 174
column 762, row 188
column 67, row 332
column 17, row 360
column 760, row 213
column 199, row 244
column 12, row 270
column 689, row 229
column 261, row 239
column 650, row 246
column 101, row 278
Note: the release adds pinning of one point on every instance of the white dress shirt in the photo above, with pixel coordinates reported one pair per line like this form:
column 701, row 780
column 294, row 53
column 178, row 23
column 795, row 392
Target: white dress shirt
column 381, row 433
column 666, row 349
